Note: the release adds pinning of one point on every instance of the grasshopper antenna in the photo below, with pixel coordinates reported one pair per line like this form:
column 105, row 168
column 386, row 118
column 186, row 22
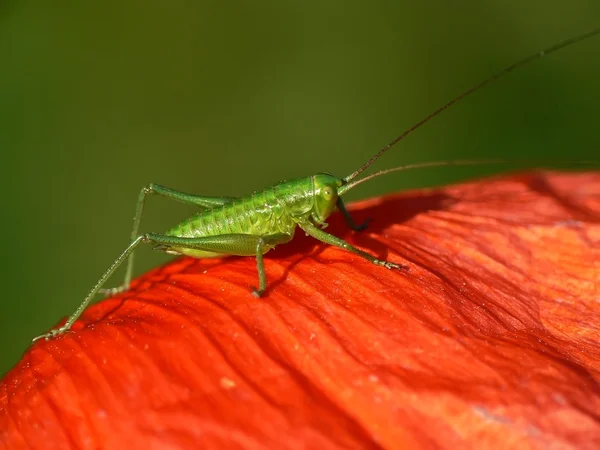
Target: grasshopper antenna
column 461, row 162
column 466, row 93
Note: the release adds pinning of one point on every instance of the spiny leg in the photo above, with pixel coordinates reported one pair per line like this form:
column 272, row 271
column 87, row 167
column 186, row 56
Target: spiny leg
column 190, row 199
column 236, row 244
column 114, row 266
column 260, row 267
column 269, row 240
column 228, row 244
column 348, row 217
column 323, row 236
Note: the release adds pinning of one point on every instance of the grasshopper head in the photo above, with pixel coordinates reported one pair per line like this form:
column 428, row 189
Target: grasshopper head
column 325, row 188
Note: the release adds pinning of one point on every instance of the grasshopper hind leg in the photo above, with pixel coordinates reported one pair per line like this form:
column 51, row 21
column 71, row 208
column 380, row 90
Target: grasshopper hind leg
column 227, row 244
column 201, row 202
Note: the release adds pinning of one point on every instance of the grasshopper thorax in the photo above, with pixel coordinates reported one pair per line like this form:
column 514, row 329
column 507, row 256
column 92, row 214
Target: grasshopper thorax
column 325, row 191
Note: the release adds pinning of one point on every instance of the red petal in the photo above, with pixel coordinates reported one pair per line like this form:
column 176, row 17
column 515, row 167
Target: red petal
column 490, row 340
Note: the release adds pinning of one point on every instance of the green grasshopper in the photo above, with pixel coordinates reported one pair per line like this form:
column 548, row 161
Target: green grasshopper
column 253, row 225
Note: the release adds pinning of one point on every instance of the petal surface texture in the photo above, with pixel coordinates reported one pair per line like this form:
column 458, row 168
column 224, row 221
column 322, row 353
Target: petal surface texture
column 491, row 339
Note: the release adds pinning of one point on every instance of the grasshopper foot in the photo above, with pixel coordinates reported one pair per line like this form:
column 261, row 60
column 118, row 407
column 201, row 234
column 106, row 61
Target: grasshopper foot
column 257, row 292
column 109, row 292
column 390, row 265
column 362, row 226
column 52, row 334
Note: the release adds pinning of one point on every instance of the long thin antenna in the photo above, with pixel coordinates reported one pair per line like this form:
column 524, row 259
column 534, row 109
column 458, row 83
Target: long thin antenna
column 461, row 162
column 469, row 91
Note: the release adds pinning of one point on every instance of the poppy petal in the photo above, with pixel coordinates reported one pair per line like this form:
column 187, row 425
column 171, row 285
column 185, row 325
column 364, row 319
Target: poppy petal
column 489, row 340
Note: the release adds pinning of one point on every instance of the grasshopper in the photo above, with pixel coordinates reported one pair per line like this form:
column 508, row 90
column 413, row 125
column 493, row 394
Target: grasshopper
column 253, row 225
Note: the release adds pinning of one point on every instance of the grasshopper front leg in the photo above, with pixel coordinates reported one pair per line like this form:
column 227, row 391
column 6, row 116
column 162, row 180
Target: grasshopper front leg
column 323, row 236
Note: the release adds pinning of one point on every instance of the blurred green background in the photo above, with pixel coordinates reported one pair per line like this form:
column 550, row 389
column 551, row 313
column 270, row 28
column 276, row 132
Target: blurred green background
column 224, row 97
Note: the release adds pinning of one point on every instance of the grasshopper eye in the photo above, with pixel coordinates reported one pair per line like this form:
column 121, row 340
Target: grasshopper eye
column 327, row 193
